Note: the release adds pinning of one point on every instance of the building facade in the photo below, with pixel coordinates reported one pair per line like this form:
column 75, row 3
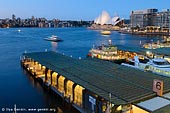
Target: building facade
column 150, row 17
column 163, row 18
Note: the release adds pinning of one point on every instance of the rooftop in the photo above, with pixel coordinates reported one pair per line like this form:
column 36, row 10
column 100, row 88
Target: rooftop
column 155, row 104
column 126, row 85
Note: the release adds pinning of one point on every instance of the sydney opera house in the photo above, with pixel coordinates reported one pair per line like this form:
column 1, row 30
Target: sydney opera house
column 106, row 22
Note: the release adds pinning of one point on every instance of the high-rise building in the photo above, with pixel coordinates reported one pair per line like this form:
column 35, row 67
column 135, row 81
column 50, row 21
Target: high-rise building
column 163, row 18
column 142, row 18
column 13, row 17
column 150, row 17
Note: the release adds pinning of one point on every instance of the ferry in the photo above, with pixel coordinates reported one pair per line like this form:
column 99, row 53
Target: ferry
column 158, row 44
column 53, row 38
column 156, row 65
column 110, row 52
column 105, row 32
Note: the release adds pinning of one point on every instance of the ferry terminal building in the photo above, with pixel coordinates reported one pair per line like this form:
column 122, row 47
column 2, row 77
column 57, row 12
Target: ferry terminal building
column 97, row 86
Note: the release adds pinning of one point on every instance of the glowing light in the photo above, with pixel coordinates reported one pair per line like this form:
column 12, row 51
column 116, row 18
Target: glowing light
column 147, row 52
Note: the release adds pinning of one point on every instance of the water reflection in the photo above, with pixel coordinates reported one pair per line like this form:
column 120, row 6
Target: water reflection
column 32, row 81
column 122, row 39
column 105, row 36
column 52, row 101
column 54, row 46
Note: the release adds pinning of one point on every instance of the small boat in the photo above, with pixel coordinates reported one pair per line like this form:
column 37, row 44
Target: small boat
column 53, row 38
column 105, row 32
column 159, row 66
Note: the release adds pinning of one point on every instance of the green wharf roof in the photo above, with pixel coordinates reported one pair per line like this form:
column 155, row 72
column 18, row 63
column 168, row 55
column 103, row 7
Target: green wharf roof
column 126, row 85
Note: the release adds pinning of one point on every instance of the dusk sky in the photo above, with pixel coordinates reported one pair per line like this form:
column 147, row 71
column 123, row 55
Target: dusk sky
column 76, row 9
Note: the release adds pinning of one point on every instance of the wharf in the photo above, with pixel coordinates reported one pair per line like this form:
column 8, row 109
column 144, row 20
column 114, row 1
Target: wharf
column 145, row 33
column 158, row 51
column 94, row 85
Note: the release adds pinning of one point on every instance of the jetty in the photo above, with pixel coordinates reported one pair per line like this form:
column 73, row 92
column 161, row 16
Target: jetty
column 97, row 86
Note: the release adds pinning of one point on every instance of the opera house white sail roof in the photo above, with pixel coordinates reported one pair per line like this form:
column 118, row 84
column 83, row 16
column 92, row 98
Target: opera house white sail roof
column 105, row 18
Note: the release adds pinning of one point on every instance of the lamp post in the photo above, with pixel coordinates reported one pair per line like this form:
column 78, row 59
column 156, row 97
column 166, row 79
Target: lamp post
column 110, row 96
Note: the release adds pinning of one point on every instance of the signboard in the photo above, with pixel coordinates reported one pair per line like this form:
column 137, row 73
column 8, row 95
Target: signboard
column 92, row 100
column 158, row 87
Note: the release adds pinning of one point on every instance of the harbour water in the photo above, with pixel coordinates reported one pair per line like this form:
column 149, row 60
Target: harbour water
column 19, row 89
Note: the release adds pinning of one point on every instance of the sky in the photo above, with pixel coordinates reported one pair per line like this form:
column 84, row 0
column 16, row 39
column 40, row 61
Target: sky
column 76, row 9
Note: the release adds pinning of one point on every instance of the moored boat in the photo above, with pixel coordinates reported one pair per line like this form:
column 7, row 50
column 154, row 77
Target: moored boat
column 109, row 52
column 156, row 65
column 154, row 45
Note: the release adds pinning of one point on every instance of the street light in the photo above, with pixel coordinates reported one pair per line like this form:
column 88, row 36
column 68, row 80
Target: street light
column 110, row 96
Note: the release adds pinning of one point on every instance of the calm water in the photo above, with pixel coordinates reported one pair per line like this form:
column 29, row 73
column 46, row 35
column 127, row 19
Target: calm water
column 18, row 88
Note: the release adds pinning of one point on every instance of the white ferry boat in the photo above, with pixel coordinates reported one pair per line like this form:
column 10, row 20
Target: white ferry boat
column 53, row 38
column 105, row 52
column 157, row 65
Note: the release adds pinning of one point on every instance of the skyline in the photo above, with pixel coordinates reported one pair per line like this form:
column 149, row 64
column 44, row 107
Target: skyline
column 74, row 9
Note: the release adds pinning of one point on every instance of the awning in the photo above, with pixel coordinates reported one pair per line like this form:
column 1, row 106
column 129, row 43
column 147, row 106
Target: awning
column 154, row 103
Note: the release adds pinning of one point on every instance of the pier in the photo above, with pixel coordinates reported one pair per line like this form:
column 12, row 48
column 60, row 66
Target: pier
column 95, row 86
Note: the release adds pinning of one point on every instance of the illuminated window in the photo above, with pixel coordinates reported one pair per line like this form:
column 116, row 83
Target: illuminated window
column 104, row 107
column 49, row 75
column 78, row 94
column 54, row 79
column 69, row 89
column 61, row 83
column 119, row 108
column 138, row 110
